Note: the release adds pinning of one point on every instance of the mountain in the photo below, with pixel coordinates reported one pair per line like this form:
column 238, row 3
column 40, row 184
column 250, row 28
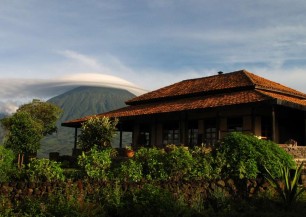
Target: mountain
column 77, row 103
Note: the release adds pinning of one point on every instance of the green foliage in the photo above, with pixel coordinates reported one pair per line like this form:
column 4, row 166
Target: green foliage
column 72, row 173
column 152, row 161
column 151, row 201
column 130, row 170
column 43, row 112
column 272, row 157
column 24, row 133
column 179, row 163
column 206, row 165
column 30, row 207
column 288, row 189
column 219, row 200
column 44, row 170
column 97, row 131
column 245, row 156
column 110, row 197
column 6, row 164
column 6, row 208
column 28, row 126
column 59, row 204
column 96, row 163
column 56, row 204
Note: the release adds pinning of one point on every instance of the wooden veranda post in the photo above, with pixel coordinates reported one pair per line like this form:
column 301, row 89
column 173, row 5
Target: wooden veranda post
column 75, row 138
column 273, row 125
column 120, row 128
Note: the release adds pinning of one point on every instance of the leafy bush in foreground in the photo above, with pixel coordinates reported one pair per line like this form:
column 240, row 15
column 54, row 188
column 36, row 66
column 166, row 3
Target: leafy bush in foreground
column 6, row 164
column 246, row 156
column 288, row 189
column 96, row 163
column 97, row 131
column 44, row 170
column 152, row 161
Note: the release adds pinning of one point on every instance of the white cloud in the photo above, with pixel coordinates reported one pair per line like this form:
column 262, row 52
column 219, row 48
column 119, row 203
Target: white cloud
column 14, row 92
column 9, row 107
column 147, row 44
column 90, row 62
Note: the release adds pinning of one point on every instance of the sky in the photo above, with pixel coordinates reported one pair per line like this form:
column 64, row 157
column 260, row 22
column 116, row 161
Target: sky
column 142, row 45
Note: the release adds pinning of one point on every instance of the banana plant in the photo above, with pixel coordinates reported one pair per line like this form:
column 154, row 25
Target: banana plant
column 287, row 186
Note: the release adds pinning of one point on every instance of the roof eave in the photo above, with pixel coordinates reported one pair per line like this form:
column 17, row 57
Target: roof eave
column 290, row 104
column 72, row 124
column 259, row 87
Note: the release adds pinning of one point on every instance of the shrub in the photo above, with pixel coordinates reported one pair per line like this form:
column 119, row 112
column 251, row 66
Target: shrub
column 5, row 206
column 272, row 157
column 288, row 189
column 96, row 162
column 130, row 170
column 179, row 163
column 246, row 156
column 110, row 197
column 206, row 164
column 151, row 201
column 153, row 163
column 6, row 164
column 44, row 170
column 98, row 132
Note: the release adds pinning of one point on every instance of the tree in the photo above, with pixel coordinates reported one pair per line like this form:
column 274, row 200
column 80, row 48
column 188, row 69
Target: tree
column 44, row 112
column 28, row 126
column 97, row 131
column 24, row 134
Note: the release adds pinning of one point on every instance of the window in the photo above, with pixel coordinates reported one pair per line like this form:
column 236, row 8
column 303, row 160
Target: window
column 144, row 139
column 144, row 135
column 210, row 136
column 193, row 133
column 234, row 124
column 171, row 134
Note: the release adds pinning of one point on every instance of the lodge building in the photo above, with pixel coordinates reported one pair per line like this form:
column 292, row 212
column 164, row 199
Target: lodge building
column 203, row 110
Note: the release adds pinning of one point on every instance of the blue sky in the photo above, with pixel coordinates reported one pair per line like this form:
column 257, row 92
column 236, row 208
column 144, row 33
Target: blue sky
column 148, row 43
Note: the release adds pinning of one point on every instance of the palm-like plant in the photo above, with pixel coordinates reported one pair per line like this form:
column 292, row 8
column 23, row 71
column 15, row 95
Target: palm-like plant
column 287, row 187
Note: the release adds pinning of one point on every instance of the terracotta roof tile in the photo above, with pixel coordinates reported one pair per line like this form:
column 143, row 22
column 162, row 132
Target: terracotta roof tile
column 283, row 97
column 224, row 82
column 199, row 85
column 242, row 97
column 273, row 86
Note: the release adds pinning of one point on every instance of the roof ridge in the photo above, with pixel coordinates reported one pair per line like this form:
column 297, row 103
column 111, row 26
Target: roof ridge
column 247, row 74
column 240, row 79
column 273, row 86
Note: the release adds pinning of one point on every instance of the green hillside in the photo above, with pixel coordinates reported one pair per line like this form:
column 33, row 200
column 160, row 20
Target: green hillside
column 77, row 103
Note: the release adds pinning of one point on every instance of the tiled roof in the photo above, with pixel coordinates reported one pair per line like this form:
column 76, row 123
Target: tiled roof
column 286, row 98
column 224, row 82
column 262, row 83
column 229, row 89
column 192, row 103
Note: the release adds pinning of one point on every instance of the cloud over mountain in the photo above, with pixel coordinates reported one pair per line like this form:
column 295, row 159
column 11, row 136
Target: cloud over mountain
column 14, row 92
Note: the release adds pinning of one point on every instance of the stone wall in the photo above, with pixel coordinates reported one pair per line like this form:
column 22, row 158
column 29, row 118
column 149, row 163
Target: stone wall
column 298, row 152
column 299, row 155
column 237, row 189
